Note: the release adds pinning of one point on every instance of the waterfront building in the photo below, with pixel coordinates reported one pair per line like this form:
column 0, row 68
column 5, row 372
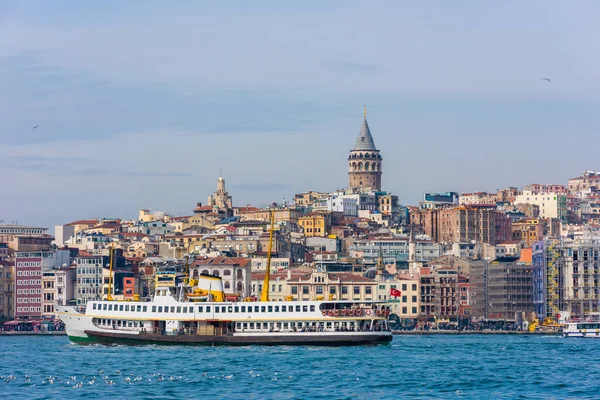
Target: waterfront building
column 551, row 204
column 283, row 214
column 331, row 285
column 364, row 161
column 29, row 268
column 66, row 278
column 566, row 275
column 500, row 290
column 542, row 188
column 48, row 293
column 405, row 306
column 89, row 278
column 7, row 288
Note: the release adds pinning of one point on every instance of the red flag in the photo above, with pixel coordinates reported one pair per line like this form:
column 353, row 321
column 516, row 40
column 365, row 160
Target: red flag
column 395, row 292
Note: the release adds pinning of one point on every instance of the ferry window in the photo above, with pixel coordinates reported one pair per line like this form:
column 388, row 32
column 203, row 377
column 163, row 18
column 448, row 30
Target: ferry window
column 184, row 309
column 145, row 308
column 130, row 324
column 121, row 307
column 104, row 307
column 110, row 307
column 285, row 325
column 139, row 308
column 263, row 308
column 279, row 325
column 255, row 308
column 304, row 308
column 135, row 324
column 270, row 308
column 276, row 308
column 244, row 308
column 127, row 307
column 236, row 309
column 223, row 309
column 172, row 309
column 283, row 308
column 252, row 325
column 312, row 308
column 153, row 308
column 178, row 309
column 119, row 323
column 245, row 325
column 265, row 325
column 94, row 306
column 216, row 310
column 299, row 324
column 200, row 308
column 207, row 309
column 159, row 308
column 329, row 325
column 229, row 309
column 238, row 325
column 297, row 308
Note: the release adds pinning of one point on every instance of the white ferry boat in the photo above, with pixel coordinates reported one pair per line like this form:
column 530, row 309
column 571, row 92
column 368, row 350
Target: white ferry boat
column 204, row 318
column 586, row 327
column 195, row 312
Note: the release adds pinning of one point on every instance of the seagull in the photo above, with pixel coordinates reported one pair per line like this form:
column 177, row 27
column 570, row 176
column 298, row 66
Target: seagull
column 546, row 79
column 35, row 127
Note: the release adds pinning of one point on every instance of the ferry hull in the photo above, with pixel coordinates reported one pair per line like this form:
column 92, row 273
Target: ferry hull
column 235, row 340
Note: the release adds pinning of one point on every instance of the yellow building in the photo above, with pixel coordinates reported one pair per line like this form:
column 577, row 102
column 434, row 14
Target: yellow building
column 407, row 304
column 315, row 224
column 281, row 215
column 7, row 287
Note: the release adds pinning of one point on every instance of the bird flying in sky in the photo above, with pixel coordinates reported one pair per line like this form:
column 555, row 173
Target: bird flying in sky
column 34, row 127
column 546, row 79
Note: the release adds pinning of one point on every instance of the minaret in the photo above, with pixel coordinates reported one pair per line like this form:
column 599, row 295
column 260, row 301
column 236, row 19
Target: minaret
column 364, row 161
column 414, row 266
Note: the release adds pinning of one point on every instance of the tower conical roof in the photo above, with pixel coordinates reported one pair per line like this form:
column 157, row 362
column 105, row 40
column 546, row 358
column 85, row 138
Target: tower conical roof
column 365, row 140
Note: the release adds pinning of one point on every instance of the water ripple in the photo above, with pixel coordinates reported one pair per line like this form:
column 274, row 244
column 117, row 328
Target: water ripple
column 428, row 367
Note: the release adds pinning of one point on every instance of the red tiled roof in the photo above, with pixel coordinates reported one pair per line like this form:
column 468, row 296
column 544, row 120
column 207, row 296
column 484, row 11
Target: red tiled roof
column 247, row 209
column 203, row 208
column 134, row 234
column 84, row 222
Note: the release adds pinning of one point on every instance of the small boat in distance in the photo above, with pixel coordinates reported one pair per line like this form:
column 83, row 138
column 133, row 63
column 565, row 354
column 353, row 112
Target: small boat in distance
column 197, row 312
column 588, row 327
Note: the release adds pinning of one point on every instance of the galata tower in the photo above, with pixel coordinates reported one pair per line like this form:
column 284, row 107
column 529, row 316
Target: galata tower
column 364, row 161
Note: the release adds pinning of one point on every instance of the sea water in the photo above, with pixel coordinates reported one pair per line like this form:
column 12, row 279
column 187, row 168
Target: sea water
column 442, row 366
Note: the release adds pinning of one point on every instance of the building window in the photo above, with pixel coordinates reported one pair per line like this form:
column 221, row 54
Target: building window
column 367, row 289
column 319, row 289
column 344, row 289
column 294, row 289
column 356, row 289
column 304, row 289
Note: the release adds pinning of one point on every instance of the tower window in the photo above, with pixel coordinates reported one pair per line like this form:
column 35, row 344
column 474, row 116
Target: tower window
column 362, row 139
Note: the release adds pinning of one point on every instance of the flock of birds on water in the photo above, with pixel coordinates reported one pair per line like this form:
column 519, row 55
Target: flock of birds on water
column 118, row 378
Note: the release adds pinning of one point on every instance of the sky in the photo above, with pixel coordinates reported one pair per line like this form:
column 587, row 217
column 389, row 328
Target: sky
column 140, row 104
